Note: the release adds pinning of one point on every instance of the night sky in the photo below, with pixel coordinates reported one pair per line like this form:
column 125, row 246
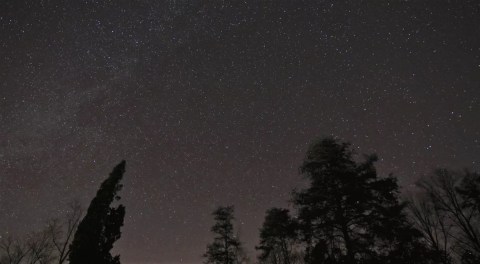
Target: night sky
column 215, row 103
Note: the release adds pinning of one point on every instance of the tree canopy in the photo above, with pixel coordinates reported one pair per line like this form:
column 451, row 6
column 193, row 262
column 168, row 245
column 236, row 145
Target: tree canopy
column 348, row 214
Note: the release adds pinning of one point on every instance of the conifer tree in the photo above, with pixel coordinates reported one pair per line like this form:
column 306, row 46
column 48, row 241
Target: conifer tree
column 226, row 247
column 348, row 214
column 100, row 227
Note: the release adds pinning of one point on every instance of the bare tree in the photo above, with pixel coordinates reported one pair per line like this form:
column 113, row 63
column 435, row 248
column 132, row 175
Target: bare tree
column 61, row 232
column 444, row 190
column 48, row 246
column 434, row 225
column 12, row 251
column 39, row 248
column 36, row 248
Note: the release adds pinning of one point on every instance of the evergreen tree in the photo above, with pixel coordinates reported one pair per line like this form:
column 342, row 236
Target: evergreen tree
column 278, row 237
column 348, row 214
column 100, row 227
column 226, row 248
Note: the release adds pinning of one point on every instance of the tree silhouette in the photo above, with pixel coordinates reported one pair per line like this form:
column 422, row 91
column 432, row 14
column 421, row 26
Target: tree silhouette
column 12, row 251
column 456, row 196
column 39, row 248
column 100, row 227
column 277, row 238
column 61, row 231
column 349, row 215
column 434, row 224
column 226, row 248
column 35, row 248
column 47, row 246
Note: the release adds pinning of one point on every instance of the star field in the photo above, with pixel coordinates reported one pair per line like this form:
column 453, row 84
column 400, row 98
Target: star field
column 215, row 103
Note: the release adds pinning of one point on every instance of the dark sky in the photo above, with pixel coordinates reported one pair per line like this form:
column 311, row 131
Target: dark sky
column 214, row 103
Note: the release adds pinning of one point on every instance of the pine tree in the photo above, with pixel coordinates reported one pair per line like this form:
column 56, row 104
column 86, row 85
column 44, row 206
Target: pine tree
column 226, row 248
column 100, row 227
column 348, row 214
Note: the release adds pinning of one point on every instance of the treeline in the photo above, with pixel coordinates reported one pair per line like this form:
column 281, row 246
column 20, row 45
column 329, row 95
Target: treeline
column 347, row 214
column 350, row 215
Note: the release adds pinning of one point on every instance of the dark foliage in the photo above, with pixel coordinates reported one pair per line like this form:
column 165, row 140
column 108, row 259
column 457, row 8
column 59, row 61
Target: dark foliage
column 349, row 215
column 277, row 237
column 100, row 227
column 226, row 247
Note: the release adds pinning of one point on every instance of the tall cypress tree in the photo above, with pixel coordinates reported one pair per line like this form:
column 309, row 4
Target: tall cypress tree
column 100, row 227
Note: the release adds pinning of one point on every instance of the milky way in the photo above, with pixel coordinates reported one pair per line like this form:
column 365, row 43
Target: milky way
column 214, row 103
